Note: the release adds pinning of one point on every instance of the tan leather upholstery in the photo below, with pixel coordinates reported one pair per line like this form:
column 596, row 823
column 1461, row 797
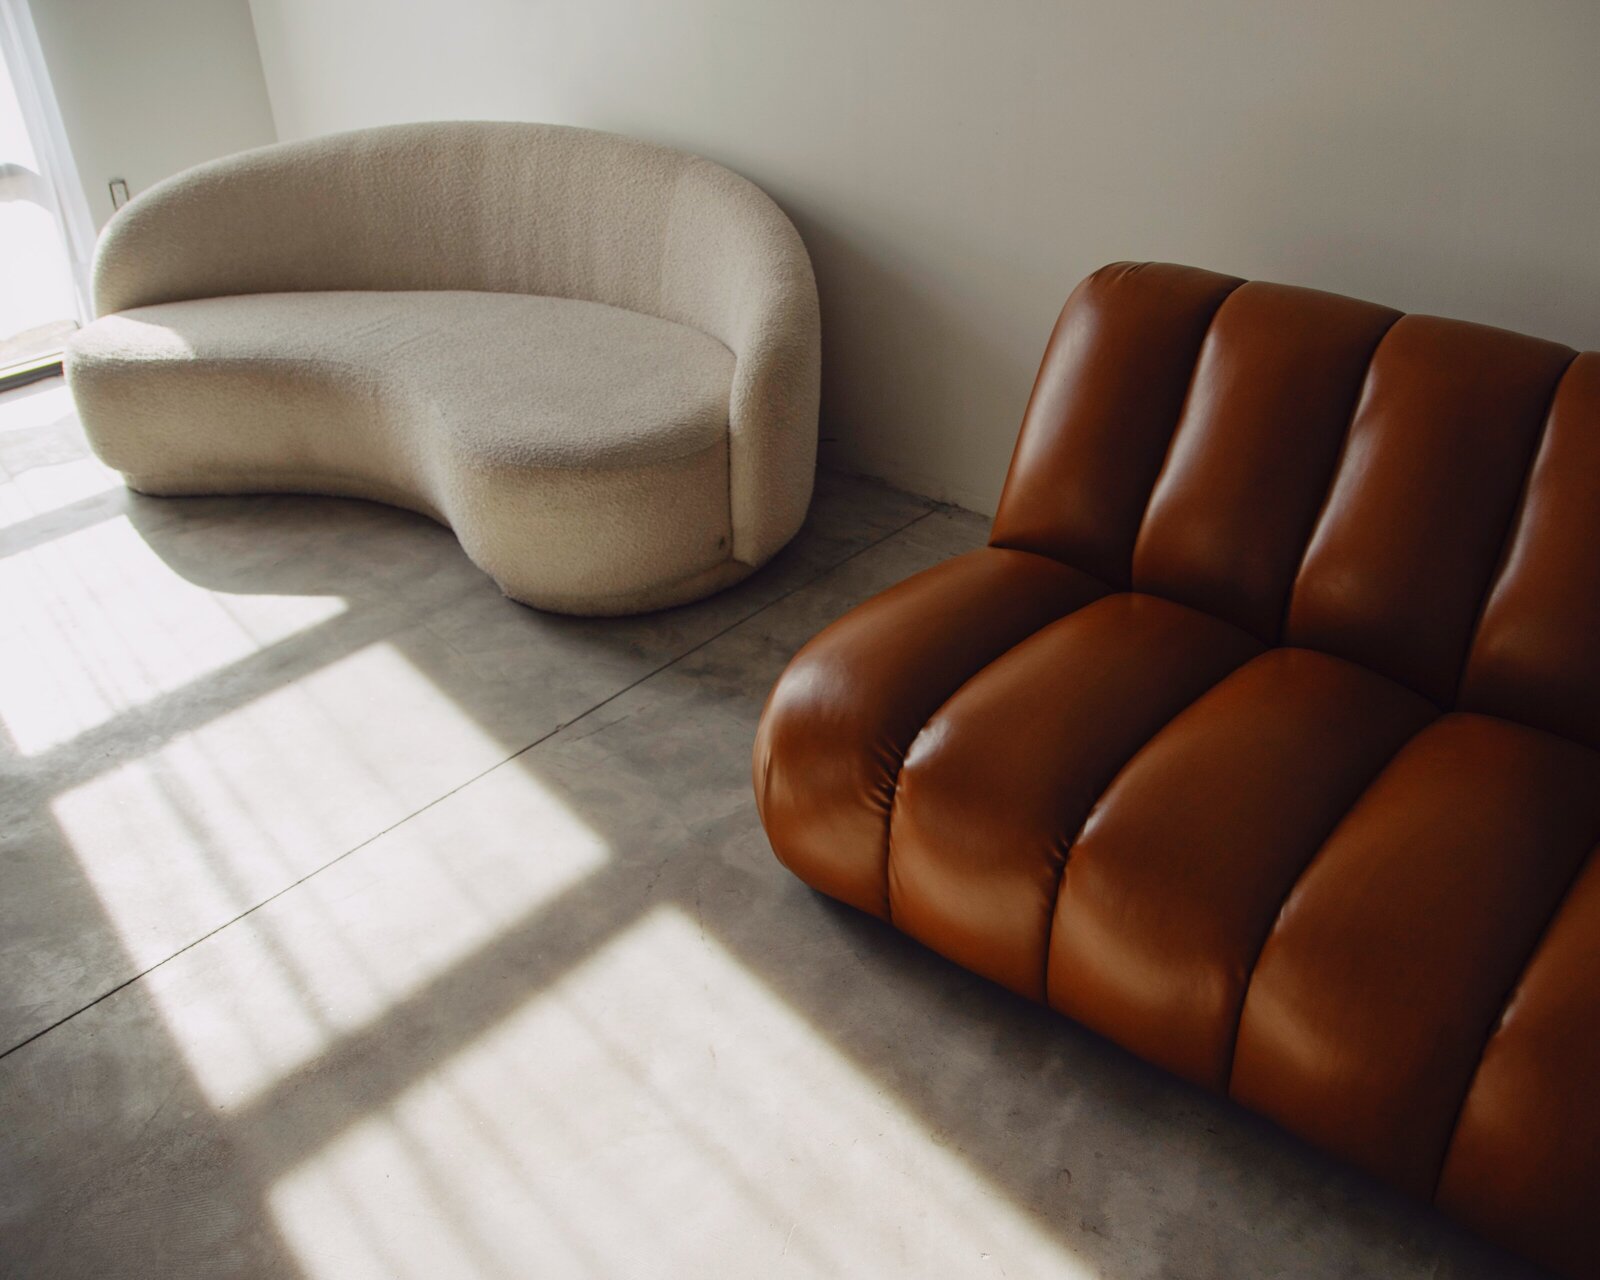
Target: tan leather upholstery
column 1262, row 736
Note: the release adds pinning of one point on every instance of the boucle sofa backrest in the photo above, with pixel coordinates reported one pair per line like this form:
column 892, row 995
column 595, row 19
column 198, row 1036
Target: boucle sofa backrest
column 1418, row 495
column 495, row 207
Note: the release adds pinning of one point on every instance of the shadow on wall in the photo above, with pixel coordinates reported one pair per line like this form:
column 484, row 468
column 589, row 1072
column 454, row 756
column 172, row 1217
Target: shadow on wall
column 931, row 340
column 1451, row 258
column 952, row 364
column 1062, row 1132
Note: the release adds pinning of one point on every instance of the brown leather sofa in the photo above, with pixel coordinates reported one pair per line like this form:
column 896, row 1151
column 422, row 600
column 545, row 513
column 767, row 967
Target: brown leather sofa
column 1262, row 737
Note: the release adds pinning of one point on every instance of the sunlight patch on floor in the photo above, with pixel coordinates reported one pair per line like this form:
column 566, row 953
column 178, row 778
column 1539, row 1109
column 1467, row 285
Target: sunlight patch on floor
column 47, row 491
column 44, row 466
column 356, row 939
column 44, row 489
column 41, row 405
column 97, row 624
column 628, row 1120
column 210, row 821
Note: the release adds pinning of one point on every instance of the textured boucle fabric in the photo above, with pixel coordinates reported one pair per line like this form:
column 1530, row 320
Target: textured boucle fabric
column 595, row 358
column 578, row 450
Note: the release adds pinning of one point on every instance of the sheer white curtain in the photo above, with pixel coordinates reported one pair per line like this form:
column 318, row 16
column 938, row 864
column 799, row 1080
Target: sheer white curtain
column 51, row 179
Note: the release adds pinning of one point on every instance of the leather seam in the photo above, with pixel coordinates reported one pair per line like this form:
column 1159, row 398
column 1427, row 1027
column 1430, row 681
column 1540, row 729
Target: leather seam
column 1067, row 844
column 1332, row 482
column 1188, row 390
column 1272, row 927
column 1509, row 535
column 1497, row 1022
column 900, row 763
column 1177, row 424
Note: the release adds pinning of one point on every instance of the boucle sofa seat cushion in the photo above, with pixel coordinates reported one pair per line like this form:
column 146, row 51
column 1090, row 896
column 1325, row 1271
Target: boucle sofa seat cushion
column 596, row 358
column 578, row 450
column 1263, row 738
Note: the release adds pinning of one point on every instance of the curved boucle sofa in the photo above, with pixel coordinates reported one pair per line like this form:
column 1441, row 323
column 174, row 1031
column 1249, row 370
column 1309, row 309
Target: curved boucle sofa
column 594, row 358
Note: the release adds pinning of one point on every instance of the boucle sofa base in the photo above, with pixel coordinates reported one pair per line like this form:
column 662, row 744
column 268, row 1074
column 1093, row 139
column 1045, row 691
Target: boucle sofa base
column 584, row 604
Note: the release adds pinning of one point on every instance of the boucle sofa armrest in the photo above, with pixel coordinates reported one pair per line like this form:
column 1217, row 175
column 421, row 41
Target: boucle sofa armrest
column 736, row 268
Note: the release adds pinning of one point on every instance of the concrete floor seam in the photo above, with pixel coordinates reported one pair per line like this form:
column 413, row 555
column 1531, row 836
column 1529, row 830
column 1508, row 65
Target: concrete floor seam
column 544, row 737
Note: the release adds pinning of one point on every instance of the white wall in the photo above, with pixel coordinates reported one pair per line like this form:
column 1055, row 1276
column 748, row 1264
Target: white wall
column 955, row 165
column 149, row 87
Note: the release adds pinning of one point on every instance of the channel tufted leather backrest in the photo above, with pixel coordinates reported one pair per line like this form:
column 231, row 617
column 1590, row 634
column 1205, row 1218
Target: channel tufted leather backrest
column 1417, row 495
column 1534, row 655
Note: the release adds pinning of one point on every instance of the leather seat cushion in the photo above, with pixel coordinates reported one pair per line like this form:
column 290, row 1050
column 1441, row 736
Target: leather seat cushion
column 1271, row 870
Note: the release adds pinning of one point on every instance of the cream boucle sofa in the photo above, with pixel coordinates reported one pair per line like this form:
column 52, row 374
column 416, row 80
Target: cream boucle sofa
column 593, row 358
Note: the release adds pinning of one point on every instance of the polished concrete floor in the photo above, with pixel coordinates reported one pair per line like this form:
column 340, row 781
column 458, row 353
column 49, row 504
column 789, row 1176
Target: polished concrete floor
column 357, row 922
